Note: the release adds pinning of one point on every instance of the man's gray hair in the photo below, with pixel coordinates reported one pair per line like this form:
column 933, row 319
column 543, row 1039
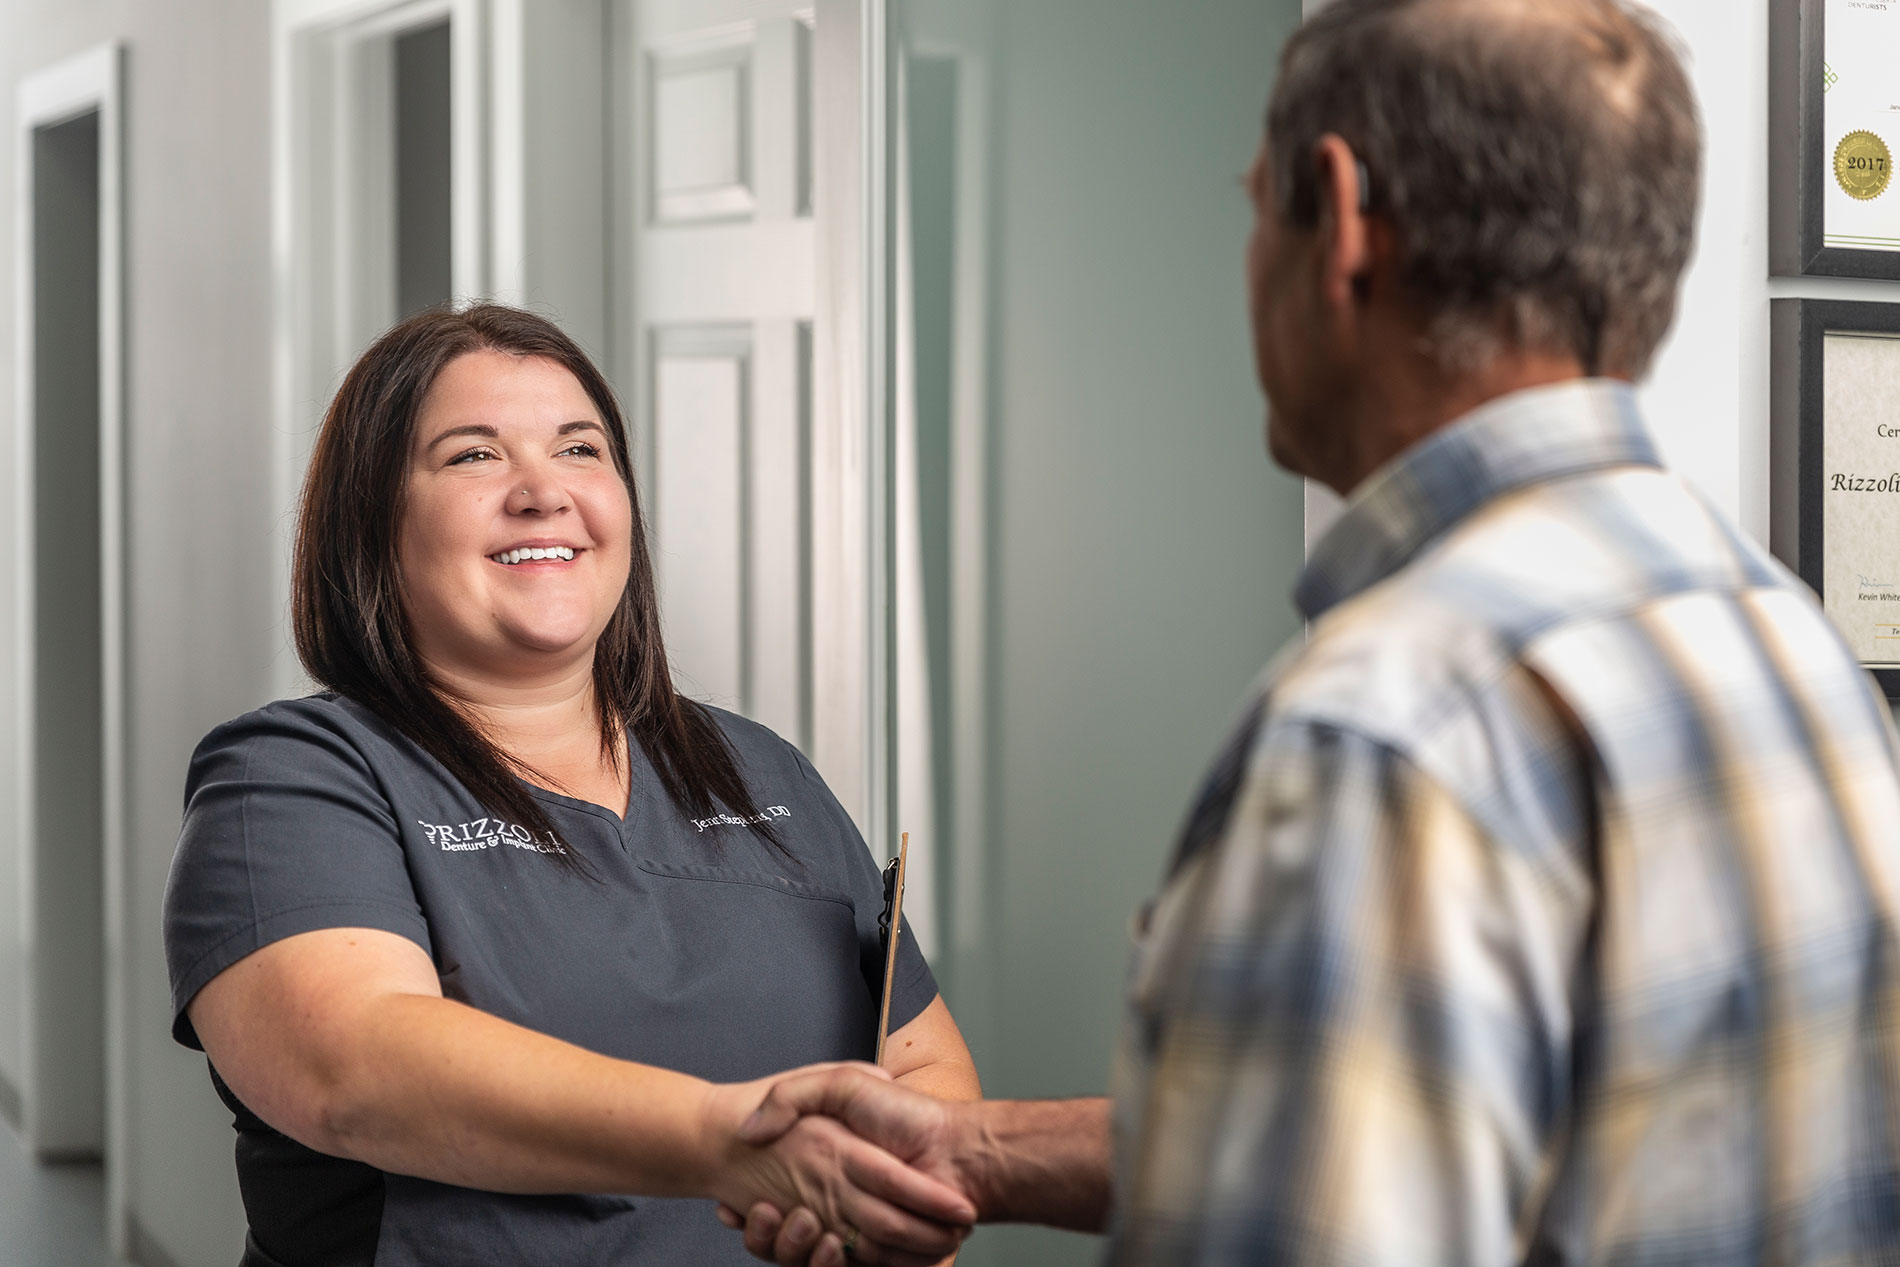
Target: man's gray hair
column 1539, row 160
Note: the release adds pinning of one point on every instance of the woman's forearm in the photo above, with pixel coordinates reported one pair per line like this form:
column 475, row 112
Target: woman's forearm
column 340, row 1038
column 441, row 1090
column 534, row 1114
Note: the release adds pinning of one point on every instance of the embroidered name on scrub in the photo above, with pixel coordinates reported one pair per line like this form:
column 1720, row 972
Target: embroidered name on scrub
column 485, row 833
column 765, row 815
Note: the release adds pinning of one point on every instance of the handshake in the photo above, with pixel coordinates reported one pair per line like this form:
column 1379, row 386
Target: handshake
column 838, row 1163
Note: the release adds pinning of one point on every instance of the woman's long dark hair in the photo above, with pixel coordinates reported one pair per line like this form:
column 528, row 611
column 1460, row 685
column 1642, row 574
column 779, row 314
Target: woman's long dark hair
column 346, row 605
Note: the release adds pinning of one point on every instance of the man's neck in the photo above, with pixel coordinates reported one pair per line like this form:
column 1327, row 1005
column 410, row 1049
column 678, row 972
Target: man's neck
column 1414, row 400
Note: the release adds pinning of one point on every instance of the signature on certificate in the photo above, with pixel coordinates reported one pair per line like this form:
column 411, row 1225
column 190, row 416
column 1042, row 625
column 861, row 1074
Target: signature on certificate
column 1869, row 583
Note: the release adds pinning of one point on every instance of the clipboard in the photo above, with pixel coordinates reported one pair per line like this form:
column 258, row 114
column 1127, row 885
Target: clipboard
column 890, row 927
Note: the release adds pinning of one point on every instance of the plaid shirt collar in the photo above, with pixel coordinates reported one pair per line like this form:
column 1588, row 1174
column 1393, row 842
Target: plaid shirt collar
column 1527, row 437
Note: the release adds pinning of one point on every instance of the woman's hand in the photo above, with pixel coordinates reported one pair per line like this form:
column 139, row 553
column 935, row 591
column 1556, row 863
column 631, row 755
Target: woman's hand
column 901, row 1217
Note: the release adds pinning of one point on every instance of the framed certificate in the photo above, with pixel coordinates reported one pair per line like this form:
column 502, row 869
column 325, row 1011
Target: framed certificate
column 1833, row 135
column 1834, row 473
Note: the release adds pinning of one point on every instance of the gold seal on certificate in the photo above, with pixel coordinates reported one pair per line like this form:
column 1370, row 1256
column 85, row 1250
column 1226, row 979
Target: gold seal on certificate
column 1862, row 165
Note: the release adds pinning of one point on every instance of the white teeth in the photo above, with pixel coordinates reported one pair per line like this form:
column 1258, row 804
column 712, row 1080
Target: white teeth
column 530, row 553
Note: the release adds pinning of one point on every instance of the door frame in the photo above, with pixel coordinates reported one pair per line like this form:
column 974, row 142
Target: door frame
column 88, row 82
column 852, row 616
column 527, row 103
column 960, row 861
column 320, row 51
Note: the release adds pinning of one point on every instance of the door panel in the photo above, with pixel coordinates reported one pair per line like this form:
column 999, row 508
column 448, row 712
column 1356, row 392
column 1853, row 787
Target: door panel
column 701, row 132
column 721, row 307
column 700, row 438
column 779, row 539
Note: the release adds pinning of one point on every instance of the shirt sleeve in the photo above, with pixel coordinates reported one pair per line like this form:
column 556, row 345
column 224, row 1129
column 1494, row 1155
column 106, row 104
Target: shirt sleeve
column 1349, row 1026
column 915, row 985
column 285, row 831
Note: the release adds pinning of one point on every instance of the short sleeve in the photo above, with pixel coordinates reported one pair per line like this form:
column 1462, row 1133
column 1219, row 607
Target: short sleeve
column 915, row 985
column 286, row 831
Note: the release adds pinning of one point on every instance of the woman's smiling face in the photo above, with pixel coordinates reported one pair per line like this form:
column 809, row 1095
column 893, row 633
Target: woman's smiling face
column 516, row 528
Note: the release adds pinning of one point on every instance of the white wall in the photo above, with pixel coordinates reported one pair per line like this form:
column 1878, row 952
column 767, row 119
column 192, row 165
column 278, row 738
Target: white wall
column 1708, row 396
column 48, row 31
column 202, row 617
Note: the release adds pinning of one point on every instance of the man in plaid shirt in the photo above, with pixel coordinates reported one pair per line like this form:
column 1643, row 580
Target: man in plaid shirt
column 1541, row 908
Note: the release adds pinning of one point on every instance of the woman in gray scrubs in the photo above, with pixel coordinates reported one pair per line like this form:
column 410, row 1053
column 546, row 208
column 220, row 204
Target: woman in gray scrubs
column 499, row 918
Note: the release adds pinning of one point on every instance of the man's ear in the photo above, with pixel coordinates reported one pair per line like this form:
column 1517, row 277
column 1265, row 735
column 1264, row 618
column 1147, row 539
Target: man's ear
column 1340, row 182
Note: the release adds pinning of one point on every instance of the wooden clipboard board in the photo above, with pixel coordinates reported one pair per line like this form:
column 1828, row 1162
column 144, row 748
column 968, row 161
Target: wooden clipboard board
column 891, row 923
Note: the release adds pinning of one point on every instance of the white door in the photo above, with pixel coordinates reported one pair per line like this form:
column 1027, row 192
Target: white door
column 719, row 315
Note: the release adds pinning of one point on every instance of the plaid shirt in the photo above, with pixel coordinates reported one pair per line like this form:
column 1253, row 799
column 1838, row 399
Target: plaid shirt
column 1542, row 908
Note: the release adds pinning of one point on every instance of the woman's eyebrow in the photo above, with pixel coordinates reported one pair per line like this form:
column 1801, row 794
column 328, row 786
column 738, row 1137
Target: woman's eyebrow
column 490, row 433
column 467, row 429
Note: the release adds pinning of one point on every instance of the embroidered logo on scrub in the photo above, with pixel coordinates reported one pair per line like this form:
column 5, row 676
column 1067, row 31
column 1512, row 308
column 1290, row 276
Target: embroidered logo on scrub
column 485, row 833
column 765, row 815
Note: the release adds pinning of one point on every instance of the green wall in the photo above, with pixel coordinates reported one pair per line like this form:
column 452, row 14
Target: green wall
column 1141, row 547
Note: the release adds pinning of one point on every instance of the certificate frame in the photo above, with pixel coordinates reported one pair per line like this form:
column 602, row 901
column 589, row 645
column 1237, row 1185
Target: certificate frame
column 1797, row 152
column 1798, row 432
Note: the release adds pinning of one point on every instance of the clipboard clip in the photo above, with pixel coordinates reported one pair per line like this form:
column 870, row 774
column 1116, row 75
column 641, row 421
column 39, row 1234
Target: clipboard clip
column 890, row 930
column 890, row 904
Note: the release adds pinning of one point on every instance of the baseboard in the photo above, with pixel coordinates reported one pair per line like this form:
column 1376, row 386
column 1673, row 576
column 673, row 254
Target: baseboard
column 12, row 1107
column 141, row 1248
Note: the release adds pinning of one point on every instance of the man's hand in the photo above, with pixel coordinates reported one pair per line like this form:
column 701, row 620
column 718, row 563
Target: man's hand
column 933, row 1136
column 930, row 1135
column 1018, row 1161
column 793, row 1160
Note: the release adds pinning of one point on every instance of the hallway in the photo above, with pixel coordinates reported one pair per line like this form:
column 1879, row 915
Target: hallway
column 50, row 1216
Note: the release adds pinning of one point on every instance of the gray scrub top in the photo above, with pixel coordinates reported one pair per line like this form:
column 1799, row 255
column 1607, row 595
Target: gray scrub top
column 699, row 948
